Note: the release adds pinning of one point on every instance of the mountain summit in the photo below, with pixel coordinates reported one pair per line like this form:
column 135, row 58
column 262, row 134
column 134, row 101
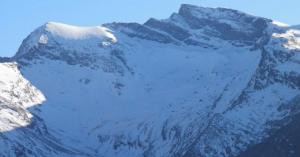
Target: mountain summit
column 205, row 82
column 54, row 34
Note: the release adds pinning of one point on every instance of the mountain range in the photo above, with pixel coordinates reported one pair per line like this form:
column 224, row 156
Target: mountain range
column 205, row 82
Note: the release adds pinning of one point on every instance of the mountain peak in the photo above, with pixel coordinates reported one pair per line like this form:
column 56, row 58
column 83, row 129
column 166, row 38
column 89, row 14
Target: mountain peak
column 209, row 12
column 227, row 24
column 194, row 7
column 70, row 37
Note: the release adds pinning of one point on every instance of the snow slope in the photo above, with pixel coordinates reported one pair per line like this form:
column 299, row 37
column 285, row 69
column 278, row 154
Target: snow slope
column 204, row 82
column 13, row 89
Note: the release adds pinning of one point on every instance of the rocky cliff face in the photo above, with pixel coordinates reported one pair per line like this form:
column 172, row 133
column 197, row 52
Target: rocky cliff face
column 204, row 82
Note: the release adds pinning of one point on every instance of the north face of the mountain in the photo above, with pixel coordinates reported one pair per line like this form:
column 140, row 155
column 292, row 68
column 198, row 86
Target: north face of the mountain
column 203, row 82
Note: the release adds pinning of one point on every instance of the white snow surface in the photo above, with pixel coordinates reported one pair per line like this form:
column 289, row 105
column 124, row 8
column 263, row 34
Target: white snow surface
column 16, row 91
column 78, row 33
column 280, row 24
column 135, row 97
column 170, row 83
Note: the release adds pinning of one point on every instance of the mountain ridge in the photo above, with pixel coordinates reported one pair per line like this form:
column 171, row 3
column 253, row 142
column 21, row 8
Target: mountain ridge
column 204, row 82
column 185, row 11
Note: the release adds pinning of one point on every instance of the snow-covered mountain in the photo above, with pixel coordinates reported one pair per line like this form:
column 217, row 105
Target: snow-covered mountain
column 206, row 82
column 296, row 26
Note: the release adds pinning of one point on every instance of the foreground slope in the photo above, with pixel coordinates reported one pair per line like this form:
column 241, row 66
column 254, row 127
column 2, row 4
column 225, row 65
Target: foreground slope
column 204, row 82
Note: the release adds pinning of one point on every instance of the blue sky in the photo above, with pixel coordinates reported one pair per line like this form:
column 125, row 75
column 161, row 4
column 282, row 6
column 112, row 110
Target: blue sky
column 20, row 17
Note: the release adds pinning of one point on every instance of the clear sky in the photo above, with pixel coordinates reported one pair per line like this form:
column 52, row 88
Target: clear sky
column 20, row 17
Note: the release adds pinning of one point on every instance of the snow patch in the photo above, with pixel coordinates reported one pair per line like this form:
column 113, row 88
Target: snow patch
column 43, row 39
column 280, row 24
column 79, row 33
